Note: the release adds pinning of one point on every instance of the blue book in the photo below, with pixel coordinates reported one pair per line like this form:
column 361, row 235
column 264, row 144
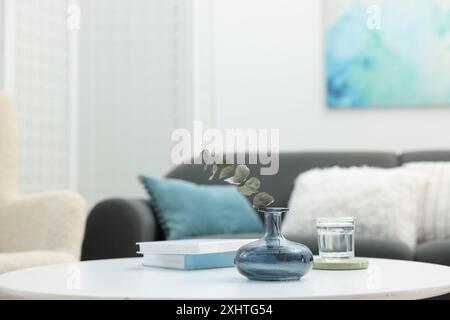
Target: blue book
column 190, row 261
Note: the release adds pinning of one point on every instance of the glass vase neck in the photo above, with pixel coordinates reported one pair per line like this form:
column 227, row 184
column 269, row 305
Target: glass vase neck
column 272, row 221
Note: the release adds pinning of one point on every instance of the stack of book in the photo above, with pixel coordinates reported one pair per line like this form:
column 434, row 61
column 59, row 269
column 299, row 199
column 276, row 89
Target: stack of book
column 191, row 254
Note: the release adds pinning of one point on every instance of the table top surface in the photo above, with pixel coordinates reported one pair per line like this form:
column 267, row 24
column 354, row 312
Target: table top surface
column 128, row 279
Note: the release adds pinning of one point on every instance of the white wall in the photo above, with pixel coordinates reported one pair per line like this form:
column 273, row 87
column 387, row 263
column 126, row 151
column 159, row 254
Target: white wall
column 129, row 93
column 269, row 73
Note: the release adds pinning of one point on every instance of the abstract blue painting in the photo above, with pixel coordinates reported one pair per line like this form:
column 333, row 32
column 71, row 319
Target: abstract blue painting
column 387, row 53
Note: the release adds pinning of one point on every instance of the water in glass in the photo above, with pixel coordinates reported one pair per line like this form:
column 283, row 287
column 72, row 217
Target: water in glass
column 336, row 238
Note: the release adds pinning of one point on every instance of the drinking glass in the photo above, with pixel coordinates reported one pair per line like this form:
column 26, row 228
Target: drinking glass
column 336, row 238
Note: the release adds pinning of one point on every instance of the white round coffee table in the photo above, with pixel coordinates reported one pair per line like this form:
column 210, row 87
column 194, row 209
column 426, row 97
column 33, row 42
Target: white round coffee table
column 127, row 279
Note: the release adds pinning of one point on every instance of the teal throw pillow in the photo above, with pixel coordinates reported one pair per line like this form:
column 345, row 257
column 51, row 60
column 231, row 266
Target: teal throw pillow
column 187, row 210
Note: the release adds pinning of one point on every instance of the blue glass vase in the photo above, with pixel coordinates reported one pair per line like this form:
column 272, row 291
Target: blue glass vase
column 273, row 258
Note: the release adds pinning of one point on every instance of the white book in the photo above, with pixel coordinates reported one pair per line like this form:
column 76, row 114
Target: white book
column 192, row 246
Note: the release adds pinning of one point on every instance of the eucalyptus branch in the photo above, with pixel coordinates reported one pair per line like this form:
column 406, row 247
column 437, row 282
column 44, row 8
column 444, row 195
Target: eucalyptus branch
column 238, row 175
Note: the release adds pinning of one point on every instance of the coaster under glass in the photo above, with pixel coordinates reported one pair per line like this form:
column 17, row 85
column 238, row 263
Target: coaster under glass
column 351, row 264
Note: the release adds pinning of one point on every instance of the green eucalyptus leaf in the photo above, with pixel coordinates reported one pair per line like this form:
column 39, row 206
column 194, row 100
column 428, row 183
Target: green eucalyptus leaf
column 246, row 191
column 253, row 183
column 250, row 187
column 262, row 199
column 226, row 171
column 240, row 174
column 231, row 181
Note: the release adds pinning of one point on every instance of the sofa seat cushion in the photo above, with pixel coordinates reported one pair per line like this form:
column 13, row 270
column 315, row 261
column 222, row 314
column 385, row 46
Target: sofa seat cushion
column 370, row 248
column 434, row 252
column 365, row 247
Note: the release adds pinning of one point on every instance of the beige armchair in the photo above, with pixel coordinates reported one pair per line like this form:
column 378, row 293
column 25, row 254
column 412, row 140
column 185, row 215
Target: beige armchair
column 38, row 229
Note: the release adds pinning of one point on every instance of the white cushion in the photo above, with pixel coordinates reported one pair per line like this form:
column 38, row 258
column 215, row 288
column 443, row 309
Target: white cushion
column 434, row 222
column 385, row 202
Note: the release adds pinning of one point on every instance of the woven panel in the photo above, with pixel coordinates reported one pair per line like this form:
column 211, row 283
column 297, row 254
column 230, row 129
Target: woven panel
column 128, row 93
column 41, row 93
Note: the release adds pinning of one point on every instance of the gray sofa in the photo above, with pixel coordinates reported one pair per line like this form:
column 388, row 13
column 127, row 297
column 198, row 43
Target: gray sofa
column 115, row 225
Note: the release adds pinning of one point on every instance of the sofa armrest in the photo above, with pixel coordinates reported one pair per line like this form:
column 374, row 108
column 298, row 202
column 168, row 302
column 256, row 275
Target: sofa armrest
column 115, row 225
column 434, row 252
column 50, row 221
